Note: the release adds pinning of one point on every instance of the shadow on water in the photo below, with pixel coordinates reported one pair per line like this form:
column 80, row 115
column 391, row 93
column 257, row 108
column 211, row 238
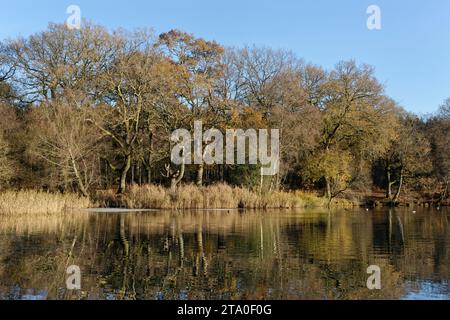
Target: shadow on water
column 226, row 255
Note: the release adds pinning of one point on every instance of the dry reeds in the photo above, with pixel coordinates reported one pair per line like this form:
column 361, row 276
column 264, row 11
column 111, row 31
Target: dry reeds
column 218, row 196
column 40, row 202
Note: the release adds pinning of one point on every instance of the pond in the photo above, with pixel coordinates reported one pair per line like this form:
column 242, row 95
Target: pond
column 308, row 254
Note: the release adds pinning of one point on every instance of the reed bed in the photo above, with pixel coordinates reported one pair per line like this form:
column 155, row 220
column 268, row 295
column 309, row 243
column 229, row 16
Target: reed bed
column 218, row 196
column 40, row 202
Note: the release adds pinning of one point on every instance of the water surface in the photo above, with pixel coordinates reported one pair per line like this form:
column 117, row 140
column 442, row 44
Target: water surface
column 227, row 255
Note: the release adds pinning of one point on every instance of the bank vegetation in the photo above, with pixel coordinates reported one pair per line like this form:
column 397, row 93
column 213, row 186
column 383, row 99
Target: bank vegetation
column 89, row 110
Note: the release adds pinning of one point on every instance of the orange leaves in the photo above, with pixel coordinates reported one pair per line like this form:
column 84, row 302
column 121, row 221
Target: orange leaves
column 245, row 117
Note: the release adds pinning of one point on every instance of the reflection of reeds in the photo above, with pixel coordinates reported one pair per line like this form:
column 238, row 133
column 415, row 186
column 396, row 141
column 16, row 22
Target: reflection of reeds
column 212, row 222
column 210, row 197
column 297, row 254
column 40, row 202
column 48, row 224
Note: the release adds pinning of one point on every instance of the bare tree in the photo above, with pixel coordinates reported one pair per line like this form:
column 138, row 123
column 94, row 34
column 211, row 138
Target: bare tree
column 407, row 157
column 57, row 59
column 9, row 126
column 437, row 129
column 63, row 138
column 132, row 90
column 6, row 165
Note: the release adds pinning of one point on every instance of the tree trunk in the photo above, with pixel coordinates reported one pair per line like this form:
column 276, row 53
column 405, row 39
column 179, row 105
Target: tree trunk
column 389, row 183
column 444, row 194
column 149, row 175
column 176, row 178
column 123, row 176
column 139, row 167
column 400, row 184
column 200, row 170
column 261, row 182
column 80, row 183
column 328, row 189
column 150, row 153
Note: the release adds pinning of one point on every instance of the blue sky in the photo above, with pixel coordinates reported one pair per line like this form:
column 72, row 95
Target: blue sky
column 411, row 53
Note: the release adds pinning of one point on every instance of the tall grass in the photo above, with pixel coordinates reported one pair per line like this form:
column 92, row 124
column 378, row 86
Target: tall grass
column 218, row 196
column 40, row 202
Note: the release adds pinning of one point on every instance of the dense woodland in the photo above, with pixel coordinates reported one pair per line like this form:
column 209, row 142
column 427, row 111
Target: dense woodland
column 89, row 109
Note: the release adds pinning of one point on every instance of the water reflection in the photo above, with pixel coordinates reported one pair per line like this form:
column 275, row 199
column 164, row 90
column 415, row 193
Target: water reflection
column 226, row 255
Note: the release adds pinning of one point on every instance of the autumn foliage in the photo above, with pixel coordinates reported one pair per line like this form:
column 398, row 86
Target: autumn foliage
column 88, row 110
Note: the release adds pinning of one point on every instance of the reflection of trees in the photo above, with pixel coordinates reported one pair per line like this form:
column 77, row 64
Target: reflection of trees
column 127, row 289
column 423, row 257
column 225, row 255
column 38, row 256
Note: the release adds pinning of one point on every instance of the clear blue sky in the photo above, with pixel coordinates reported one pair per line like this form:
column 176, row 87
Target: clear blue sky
column 411, row 53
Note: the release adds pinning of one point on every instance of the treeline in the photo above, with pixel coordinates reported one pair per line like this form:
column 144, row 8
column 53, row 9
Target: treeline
column 89, row 109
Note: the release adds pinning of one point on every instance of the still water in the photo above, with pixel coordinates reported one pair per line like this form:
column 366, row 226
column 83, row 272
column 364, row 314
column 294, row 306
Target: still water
column 227, row 255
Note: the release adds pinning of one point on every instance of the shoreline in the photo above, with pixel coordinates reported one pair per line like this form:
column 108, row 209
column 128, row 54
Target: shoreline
column 219, row 197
